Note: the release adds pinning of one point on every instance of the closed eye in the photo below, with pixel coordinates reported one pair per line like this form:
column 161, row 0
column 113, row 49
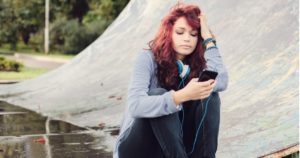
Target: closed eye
column 194, row 33
column 179, row 33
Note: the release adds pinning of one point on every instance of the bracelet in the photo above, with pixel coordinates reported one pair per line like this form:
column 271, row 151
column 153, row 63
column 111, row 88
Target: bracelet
column 205, row 42
column 211, row 47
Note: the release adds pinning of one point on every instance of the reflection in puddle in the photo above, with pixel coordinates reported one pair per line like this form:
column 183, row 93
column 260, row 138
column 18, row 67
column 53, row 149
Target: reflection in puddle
column 24, row 133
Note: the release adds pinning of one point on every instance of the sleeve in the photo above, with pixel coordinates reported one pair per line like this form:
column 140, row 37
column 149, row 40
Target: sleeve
column 214, row 63
column 140, row 104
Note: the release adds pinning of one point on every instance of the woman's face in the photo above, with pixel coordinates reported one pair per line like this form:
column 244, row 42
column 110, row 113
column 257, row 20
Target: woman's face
column 184, row 38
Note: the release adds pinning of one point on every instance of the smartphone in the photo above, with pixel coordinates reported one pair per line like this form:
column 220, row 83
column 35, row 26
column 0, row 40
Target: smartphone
column 207, row 75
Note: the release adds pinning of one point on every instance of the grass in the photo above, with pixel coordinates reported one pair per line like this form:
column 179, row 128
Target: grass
column 24, row 49
column 25, row 73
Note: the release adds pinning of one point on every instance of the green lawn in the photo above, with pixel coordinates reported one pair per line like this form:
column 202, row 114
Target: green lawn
column 23, row 49
column 25, row 73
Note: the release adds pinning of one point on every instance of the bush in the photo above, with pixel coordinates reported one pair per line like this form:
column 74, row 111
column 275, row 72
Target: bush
column 9, row 65
column 37, row 41
column 84, row 36
column 58, row 34
column 71, row 37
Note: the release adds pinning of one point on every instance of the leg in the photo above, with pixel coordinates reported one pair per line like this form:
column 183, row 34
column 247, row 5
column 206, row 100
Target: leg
column 140, row 142
column 153, row 137
column 167, row 130
column 207, row 143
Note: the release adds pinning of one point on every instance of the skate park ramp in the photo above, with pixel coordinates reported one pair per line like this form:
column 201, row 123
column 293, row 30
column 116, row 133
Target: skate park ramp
column 259, row 44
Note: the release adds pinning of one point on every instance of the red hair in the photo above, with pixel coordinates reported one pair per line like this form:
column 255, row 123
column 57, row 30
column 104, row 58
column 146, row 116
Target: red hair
column 165, row 56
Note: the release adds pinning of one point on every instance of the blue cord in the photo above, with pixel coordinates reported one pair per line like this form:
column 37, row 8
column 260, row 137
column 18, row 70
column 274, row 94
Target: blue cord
column 197, row 133
column 182, row 81
column 200, row 124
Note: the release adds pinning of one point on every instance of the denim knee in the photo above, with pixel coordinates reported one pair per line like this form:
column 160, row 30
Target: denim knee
column 213, row 112
column 215, row 98
column 167, row 130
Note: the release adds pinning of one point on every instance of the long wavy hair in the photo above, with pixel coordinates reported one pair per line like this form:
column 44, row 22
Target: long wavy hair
column 165, row 56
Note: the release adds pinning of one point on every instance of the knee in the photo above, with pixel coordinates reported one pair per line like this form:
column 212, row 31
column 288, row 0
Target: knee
column 213, row 111
column 215, row 98
column 157, row 91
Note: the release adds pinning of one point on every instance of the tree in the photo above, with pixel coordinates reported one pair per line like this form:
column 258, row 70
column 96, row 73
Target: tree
column 20, row 18
column 24, row 20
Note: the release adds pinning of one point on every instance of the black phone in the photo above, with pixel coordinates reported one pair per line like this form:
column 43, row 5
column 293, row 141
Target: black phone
column 206, row 75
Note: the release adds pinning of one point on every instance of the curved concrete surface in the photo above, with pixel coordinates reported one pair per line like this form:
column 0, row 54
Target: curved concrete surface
column 258, row 41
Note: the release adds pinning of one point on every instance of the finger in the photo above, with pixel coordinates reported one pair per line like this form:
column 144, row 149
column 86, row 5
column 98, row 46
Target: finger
column 205, row 90
column 213, row 35
column 210, row 82
column 204, row 96
column 201, row 15
column 206, row 83
column 214, row 84
column 208, row 93
column 203, row 84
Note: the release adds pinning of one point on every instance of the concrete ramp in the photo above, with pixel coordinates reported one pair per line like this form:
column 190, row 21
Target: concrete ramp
column 259, row 43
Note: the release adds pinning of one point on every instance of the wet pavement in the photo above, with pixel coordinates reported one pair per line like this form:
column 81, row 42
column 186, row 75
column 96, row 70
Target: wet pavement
column 26, row 134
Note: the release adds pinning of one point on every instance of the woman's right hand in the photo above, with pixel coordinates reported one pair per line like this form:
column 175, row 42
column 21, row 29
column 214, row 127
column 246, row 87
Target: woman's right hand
column 195, row 90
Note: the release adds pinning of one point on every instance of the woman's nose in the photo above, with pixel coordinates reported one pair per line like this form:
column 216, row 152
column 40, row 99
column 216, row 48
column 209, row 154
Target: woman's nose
column 187, row 38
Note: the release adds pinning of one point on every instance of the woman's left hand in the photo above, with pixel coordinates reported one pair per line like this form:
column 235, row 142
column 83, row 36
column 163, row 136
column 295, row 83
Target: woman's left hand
column 205, row 31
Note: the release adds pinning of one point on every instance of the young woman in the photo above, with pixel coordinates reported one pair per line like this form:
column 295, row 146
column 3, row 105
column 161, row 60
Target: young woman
column 164, row 117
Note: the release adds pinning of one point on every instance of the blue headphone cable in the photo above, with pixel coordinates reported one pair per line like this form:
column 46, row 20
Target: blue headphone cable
column 200, row 124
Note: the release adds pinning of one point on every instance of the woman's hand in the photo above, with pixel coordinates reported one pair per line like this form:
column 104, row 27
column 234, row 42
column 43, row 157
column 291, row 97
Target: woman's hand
column 205, row 31
column 195, row 90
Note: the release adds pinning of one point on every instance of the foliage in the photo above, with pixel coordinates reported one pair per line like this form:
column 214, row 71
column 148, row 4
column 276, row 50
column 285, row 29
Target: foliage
column 74, row 24
column 9, row 65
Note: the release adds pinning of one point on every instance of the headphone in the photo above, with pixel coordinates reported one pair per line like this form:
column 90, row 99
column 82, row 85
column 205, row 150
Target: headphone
column 184, row 71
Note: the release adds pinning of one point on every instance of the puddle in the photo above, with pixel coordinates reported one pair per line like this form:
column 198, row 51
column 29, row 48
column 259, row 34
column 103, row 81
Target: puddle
column 26, row 134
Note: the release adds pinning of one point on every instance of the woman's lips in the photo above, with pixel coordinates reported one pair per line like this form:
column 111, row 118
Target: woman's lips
column 185, row 46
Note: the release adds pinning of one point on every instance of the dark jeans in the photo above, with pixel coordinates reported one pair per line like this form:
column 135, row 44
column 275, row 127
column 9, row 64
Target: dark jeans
column 162, row 137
